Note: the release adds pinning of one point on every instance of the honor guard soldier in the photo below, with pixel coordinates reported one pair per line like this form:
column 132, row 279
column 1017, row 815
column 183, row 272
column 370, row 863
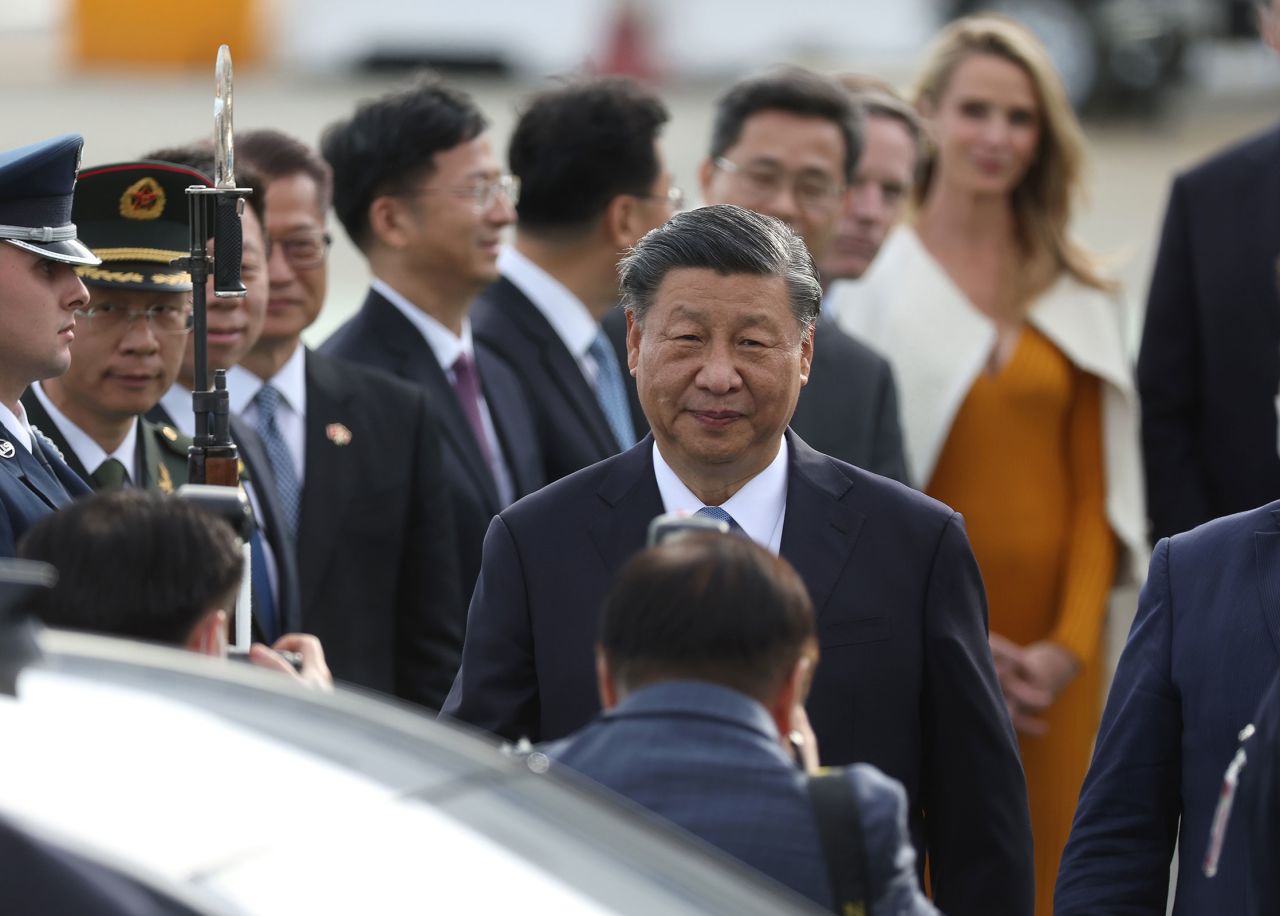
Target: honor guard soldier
column 132, row 333
column 39, row 296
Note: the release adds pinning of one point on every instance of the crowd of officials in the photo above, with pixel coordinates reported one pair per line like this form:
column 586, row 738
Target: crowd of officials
column 875, row 357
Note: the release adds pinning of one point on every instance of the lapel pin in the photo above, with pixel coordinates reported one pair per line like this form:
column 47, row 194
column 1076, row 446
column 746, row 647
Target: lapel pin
column 338, row 434
column 6, row 449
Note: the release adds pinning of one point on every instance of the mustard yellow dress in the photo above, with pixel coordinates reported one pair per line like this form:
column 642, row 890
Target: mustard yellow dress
column 1023, row 463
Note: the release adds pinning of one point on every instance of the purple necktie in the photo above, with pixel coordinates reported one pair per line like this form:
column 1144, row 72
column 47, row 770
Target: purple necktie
column 466, row 385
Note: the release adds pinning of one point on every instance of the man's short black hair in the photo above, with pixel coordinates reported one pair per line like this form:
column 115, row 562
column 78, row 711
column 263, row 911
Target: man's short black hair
column 707, row 607
column 274, row 154
column 578, row 146
column 390, row 142
column 135, row 564
column 795, row 91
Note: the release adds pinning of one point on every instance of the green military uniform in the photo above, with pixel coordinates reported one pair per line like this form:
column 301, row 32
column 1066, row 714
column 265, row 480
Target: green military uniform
column 162, row 449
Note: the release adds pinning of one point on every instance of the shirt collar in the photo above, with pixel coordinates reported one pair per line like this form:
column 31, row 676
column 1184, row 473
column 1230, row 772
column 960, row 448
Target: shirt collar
column 16, row 423
column 90, row 453
column 446, row 345
column 758, row 507
column 565, row 312
column 177, row 404
column 291, row 381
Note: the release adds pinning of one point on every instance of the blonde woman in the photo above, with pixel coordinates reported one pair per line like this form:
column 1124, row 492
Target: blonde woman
column 1018, row 407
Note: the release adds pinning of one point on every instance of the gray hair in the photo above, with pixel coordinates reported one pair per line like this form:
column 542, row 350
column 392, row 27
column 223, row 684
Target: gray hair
column 728, row 240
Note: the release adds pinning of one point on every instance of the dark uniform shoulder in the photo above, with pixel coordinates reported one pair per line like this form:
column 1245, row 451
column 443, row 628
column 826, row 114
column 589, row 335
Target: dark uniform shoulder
column 169, row 470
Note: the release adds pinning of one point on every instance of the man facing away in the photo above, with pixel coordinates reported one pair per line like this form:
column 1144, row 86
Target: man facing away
column 421, row 194
column 131, row 336
column 721, row 302
column 705, row 653
column 593, row 180
column 39, row 295
column 355, row 458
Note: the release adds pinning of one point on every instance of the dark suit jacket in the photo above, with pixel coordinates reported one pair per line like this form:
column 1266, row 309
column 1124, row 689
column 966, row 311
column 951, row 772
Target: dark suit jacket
column 1209, row 367
column 164, row 456
column 1204, row 646
column 572, row 429
column 905, row 682
column 381, row 337
column 253, row 456
column 376, row 555
column 32, row 484
column 708, row 759
column 848, row 410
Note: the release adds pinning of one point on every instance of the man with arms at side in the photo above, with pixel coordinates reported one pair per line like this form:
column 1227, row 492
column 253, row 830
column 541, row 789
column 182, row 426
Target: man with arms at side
column 592, row 182
column 1208, row 371
column 354, row 453
column 787, row 144
column 39, row 295
column 131, row 337
column 1204, row 646
column 706, row 648
column 421, row 194
column 721, row 305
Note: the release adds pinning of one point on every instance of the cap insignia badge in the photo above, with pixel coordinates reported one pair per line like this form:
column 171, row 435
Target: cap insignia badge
column 338, row 434
column 144, row 199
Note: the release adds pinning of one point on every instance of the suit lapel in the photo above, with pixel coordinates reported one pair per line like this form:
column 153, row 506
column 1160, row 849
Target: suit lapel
column 38, row 416
column 820, row 530
column 631, row 494
column 417, row 362
column 561, row 366
column 1267, row 553
column 31, row 470
column 330, row 480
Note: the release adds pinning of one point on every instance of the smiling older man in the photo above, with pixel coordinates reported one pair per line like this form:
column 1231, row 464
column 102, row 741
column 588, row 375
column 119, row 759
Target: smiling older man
column 721, row 304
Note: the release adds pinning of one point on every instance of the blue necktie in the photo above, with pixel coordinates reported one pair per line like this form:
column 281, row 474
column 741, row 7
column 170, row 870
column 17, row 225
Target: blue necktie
column 721, row 516
column 264, row 605
column 611, row 391
column 268, row 401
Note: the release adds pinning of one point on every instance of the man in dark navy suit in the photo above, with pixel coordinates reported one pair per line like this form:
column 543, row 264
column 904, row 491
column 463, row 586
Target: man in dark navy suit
column 39, row 293
column 421, row 194
column 721, row 304
column 356, row 457
column 592, row 182
column 1203, row 648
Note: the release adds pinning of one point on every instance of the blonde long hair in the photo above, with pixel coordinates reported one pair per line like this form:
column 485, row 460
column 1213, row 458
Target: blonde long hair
column 1042, row 201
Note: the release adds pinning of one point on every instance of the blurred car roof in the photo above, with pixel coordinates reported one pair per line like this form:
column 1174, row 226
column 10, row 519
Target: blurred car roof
column 233, row 787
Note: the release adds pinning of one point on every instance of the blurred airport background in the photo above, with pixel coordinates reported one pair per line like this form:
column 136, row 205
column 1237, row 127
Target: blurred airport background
column 1161, row 82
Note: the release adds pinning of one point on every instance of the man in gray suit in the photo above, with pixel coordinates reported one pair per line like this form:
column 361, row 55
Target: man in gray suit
column 705, row 652
column 786, row 144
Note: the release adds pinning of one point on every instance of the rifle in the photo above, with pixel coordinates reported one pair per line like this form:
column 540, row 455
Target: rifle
column 213, row 458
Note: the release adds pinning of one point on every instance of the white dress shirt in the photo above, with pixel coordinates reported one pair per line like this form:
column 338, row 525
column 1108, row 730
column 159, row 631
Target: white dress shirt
column 759, row 507
column 177, row 404
column 90, row 453
column 447, row 347
column 17, row 424
column 291, row 416
column 564, row 311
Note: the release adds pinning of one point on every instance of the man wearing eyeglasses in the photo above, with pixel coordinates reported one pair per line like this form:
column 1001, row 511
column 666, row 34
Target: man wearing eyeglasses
column 786, row 144
column 422, row 195
column 130, row 336
column 592, row 182
column 356, row 460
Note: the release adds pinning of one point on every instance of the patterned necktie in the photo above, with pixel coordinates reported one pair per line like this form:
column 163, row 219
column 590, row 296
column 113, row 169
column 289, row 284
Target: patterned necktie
column 466, row 385
column 268, row 401
column 110, row 475
column 721, row 516
column 611, row 391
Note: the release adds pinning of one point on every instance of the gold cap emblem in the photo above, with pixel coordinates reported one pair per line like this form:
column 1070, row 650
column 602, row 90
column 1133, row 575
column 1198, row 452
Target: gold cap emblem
column 144, row 199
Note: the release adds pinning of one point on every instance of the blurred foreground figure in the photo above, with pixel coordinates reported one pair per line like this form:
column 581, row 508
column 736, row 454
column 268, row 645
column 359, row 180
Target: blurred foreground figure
column 705, row 654
column 140, row 565
column 1017, row 402
column 39, row 294
column 721, row 303
column 1204, row 646
column 1209, row 367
